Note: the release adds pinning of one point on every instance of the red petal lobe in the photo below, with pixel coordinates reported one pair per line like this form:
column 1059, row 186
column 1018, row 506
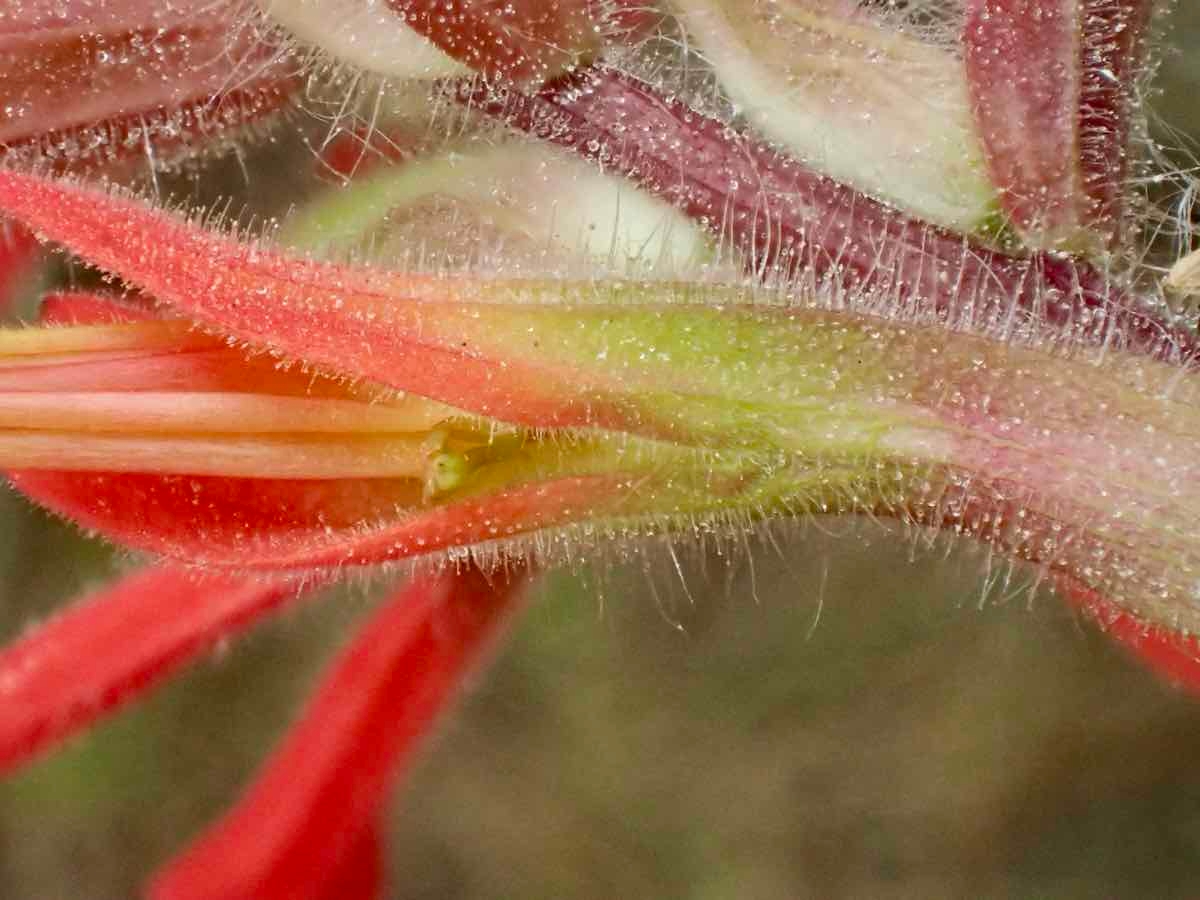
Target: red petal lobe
column 293, row 832
column 114, row 645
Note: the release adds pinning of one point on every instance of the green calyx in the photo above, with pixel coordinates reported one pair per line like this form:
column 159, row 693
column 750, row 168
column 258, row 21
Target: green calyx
column 704, row 403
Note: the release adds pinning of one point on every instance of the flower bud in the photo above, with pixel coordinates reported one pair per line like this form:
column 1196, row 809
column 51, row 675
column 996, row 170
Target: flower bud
column 865, row 104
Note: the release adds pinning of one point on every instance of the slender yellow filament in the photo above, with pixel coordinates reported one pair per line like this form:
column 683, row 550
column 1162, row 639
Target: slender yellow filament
column 170, row 412
column 239, row 457
column 17, row 343
column 288, row 431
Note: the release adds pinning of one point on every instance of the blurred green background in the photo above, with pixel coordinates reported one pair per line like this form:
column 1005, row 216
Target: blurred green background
column 851, row 717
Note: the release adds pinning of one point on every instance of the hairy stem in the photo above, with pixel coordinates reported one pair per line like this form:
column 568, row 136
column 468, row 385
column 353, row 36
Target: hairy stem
column 788, row 221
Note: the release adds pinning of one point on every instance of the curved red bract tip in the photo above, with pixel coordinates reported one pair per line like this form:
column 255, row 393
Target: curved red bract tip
column 1173, row 656
column 296, row 831
column 116, row 644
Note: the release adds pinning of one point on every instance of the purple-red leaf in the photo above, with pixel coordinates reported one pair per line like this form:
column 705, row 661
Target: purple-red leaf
column 1051, row 86
column 309, row 815
column 114, row 645
column 85, row 83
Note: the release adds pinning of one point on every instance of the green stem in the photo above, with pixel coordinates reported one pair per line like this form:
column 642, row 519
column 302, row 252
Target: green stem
column 1083, row 465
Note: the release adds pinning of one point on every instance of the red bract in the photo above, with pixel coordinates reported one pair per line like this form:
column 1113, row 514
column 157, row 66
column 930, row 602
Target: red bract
column 115, row 644
column 305, row 827
column 568, row 364
column 300, row 523
column 406, row 331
